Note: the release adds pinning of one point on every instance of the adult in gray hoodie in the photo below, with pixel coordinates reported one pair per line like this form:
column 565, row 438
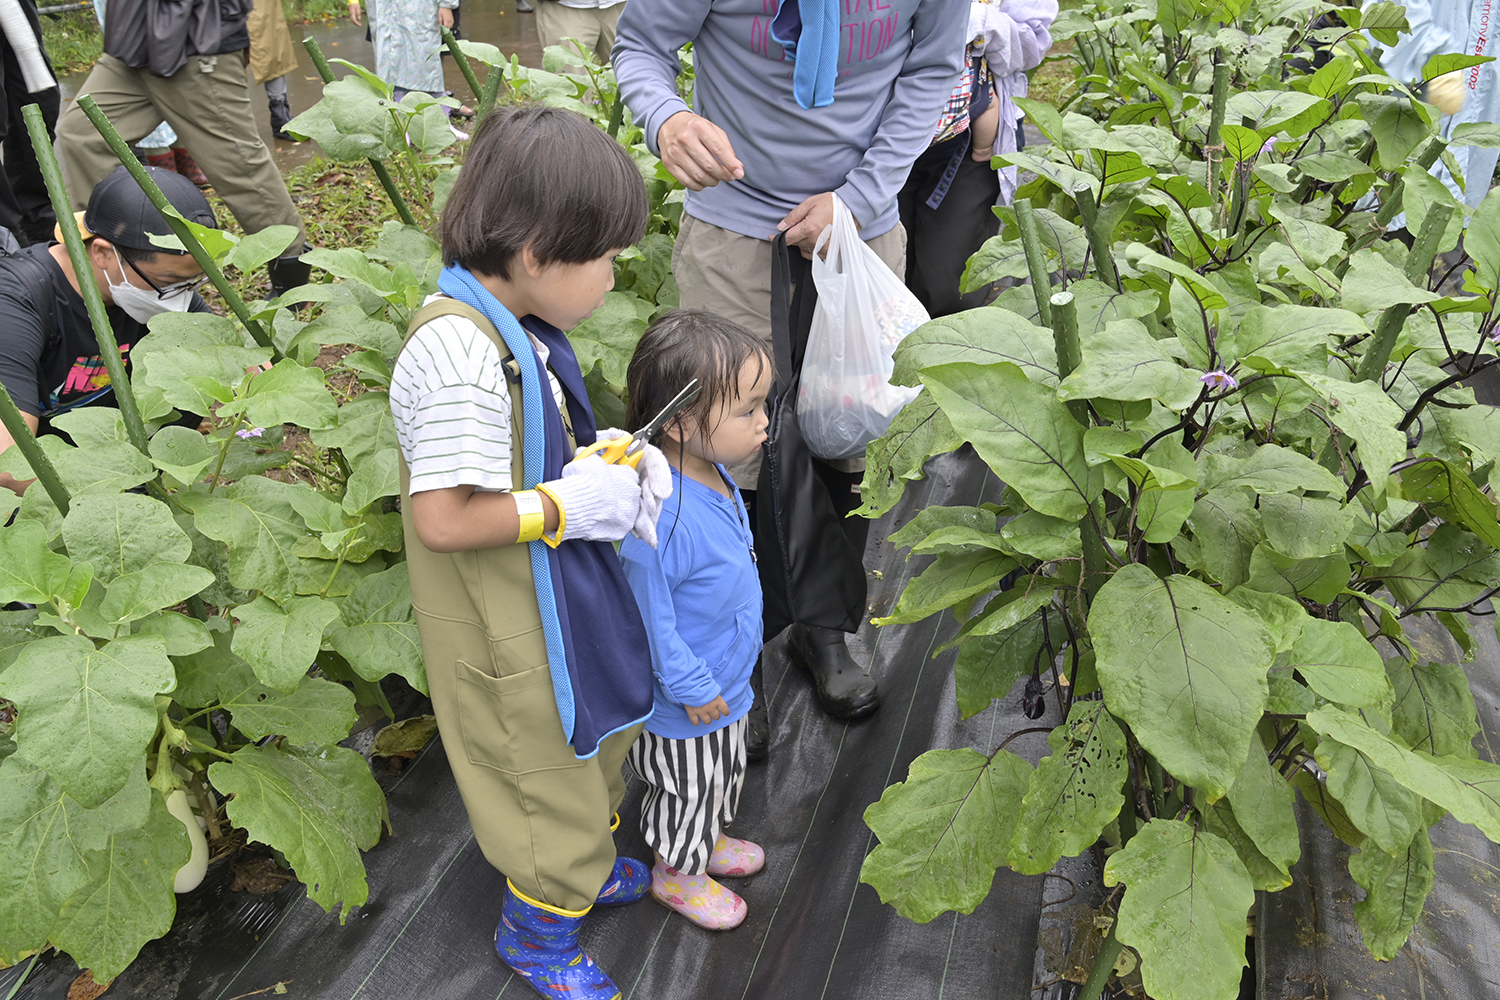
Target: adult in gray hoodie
column 795, row 100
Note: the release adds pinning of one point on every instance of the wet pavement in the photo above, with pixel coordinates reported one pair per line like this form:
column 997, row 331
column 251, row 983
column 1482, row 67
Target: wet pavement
column 492, row 21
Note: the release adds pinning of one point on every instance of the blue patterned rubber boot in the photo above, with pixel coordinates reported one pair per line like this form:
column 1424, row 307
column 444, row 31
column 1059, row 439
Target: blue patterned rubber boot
column 540, row 944
column 630, row 881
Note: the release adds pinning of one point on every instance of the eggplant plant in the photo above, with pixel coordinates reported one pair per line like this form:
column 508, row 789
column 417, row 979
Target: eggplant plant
column 200, row 608
column 1244, row 463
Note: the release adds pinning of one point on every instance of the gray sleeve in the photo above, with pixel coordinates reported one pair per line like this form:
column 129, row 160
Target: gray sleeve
column 928, row 75
column 647, row 39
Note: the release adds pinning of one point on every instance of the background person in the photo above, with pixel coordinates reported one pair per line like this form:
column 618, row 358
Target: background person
column 49, row 358
column 408, row 40
column 192, row 78
column 26, row 77
column 592, row 22
column 824, row 97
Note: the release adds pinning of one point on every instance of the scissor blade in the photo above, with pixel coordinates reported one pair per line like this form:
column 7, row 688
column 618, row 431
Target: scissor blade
column 677, row 405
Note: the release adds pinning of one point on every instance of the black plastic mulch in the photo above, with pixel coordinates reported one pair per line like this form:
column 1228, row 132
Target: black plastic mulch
column 813, row 933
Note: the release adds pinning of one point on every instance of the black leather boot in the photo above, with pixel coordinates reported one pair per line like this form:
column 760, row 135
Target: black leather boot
column 844, row 689
column 281, row 113
column 287, row 273
column 758, row 734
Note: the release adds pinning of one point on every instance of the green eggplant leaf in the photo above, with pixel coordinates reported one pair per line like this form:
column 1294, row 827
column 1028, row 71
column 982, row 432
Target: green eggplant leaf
column 280, row 641
column 1396, row 888
column 1075, row 791
column 1374, row 801
column 919, row 431
column 378, row 634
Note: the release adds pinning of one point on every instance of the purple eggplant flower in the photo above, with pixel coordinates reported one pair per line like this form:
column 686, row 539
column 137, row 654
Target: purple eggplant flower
column 1268, row 146
column 1219, row 380
column 245, row 435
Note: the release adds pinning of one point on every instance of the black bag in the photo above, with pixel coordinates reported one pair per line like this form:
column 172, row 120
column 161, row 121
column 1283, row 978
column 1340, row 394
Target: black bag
column 810, row 571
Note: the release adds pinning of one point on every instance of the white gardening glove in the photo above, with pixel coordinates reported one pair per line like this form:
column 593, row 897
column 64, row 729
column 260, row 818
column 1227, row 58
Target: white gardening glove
column 656, row 486
column 601, row 502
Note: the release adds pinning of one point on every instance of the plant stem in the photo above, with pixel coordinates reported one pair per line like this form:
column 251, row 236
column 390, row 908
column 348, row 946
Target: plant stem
column 462, row 62
column 25, row 975
column 1104, row 260
column 616, row 116
column 1158, row 781
column 1104, row 964
column 10, row 415
column 1393, row 200
column 93, row 301
column 391, row 191
column 1036, row 261
column 179, row 228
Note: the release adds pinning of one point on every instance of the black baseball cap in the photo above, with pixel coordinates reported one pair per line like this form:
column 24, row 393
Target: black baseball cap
column 120, row 212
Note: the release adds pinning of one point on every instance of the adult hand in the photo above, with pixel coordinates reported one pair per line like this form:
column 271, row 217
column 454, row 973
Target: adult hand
column 356, row 13
column 445, row 17
column 697, row 152
column 712, row 712
column 805, row 223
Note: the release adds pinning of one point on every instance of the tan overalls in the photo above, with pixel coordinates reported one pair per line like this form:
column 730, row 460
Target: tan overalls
column 541, row 815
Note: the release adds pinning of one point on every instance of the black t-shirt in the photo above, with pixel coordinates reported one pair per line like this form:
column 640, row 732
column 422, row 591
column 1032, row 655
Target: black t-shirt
column 44, row 374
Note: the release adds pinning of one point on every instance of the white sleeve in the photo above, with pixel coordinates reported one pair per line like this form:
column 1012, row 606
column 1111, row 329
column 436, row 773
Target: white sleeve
column 451, row 407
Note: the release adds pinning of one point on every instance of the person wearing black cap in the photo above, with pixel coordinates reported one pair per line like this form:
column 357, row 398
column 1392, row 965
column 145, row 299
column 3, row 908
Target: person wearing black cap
column 49, row 360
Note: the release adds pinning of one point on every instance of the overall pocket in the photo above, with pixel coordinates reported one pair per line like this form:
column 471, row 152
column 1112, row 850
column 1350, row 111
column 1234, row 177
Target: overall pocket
column 511, row 723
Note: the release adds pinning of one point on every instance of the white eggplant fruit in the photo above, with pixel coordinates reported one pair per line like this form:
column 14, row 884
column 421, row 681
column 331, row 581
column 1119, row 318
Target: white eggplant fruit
column 191, row 874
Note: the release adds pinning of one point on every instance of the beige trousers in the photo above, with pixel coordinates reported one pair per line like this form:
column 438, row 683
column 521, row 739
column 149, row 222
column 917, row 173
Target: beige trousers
column 207, row 103
column 593, row 26
column 730, row 274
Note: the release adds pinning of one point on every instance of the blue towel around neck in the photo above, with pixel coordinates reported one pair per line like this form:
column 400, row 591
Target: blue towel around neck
column 597, row 649
column 809, row 32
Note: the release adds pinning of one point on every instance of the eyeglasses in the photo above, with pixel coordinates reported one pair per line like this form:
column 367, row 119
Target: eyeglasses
column 162, row 292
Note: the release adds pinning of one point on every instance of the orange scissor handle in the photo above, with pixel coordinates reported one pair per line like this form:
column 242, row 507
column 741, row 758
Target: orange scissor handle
column 613, row 451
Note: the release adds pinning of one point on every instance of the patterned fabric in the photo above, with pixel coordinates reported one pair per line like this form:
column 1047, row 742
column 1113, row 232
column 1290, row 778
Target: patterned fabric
column 629, row 881
column 955, row 117
column 698, row 897
column 540, row 944
column 408, row 43
column 692, row 792
column 735, row 858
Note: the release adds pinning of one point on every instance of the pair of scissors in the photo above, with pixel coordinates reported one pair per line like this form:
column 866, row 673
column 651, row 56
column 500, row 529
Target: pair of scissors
column 628, row 450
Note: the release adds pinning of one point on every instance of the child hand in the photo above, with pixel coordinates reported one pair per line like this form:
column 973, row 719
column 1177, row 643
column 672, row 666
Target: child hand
column 599, row 501
column 355, row 10
column 445, row 18
column 712, row 712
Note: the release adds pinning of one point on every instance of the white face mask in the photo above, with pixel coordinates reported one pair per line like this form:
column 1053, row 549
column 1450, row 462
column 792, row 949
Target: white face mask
column 140, row 304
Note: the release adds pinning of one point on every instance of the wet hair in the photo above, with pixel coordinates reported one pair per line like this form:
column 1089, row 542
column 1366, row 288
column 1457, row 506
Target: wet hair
column 542, row 177
column 683, row 345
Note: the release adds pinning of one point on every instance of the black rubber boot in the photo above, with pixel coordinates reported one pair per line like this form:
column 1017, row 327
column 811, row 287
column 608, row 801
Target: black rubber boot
column 758, row 733
column 287, row 273
column 281, row 113
column 844, row 689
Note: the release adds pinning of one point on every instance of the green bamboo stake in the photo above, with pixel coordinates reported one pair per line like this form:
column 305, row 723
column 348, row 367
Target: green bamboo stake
column 46, row 472
column 1424, row 250
column 1104, row 260
column 492, row 81
column 1036, row 262
column 1065, row 337
column 179, row 228
column 463, row 63
column 386, row 180
column 1418, row 266
column 1104, row 964
column 93, row 301
column 1215, row 124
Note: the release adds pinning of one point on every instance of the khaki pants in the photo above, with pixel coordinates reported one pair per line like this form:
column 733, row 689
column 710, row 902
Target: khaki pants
column 730, row 274
column 593, row 26
column 207, row 103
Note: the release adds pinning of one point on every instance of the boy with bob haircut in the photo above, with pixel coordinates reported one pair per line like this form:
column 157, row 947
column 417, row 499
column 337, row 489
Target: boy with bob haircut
column 536, row 654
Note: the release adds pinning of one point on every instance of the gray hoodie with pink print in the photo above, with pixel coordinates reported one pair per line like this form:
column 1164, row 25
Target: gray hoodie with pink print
column 898, row 59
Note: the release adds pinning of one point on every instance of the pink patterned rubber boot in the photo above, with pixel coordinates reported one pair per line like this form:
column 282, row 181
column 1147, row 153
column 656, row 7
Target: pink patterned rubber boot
column 697, row 897
column 735, row 858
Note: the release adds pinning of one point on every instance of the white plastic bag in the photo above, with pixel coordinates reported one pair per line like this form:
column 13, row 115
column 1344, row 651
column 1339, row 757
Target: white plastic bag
column 845, row 399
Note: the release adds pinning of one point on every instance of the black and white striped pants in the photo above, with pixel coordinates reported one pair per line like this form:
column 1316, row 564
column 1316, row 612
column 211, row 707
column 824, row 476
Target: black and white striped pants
column 692, row 791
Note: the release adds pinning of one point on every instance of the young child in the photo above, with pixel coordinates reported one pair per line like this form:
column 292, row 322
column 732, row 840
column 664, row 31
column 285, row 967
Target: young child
column 536, row 654
column 700, row 595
